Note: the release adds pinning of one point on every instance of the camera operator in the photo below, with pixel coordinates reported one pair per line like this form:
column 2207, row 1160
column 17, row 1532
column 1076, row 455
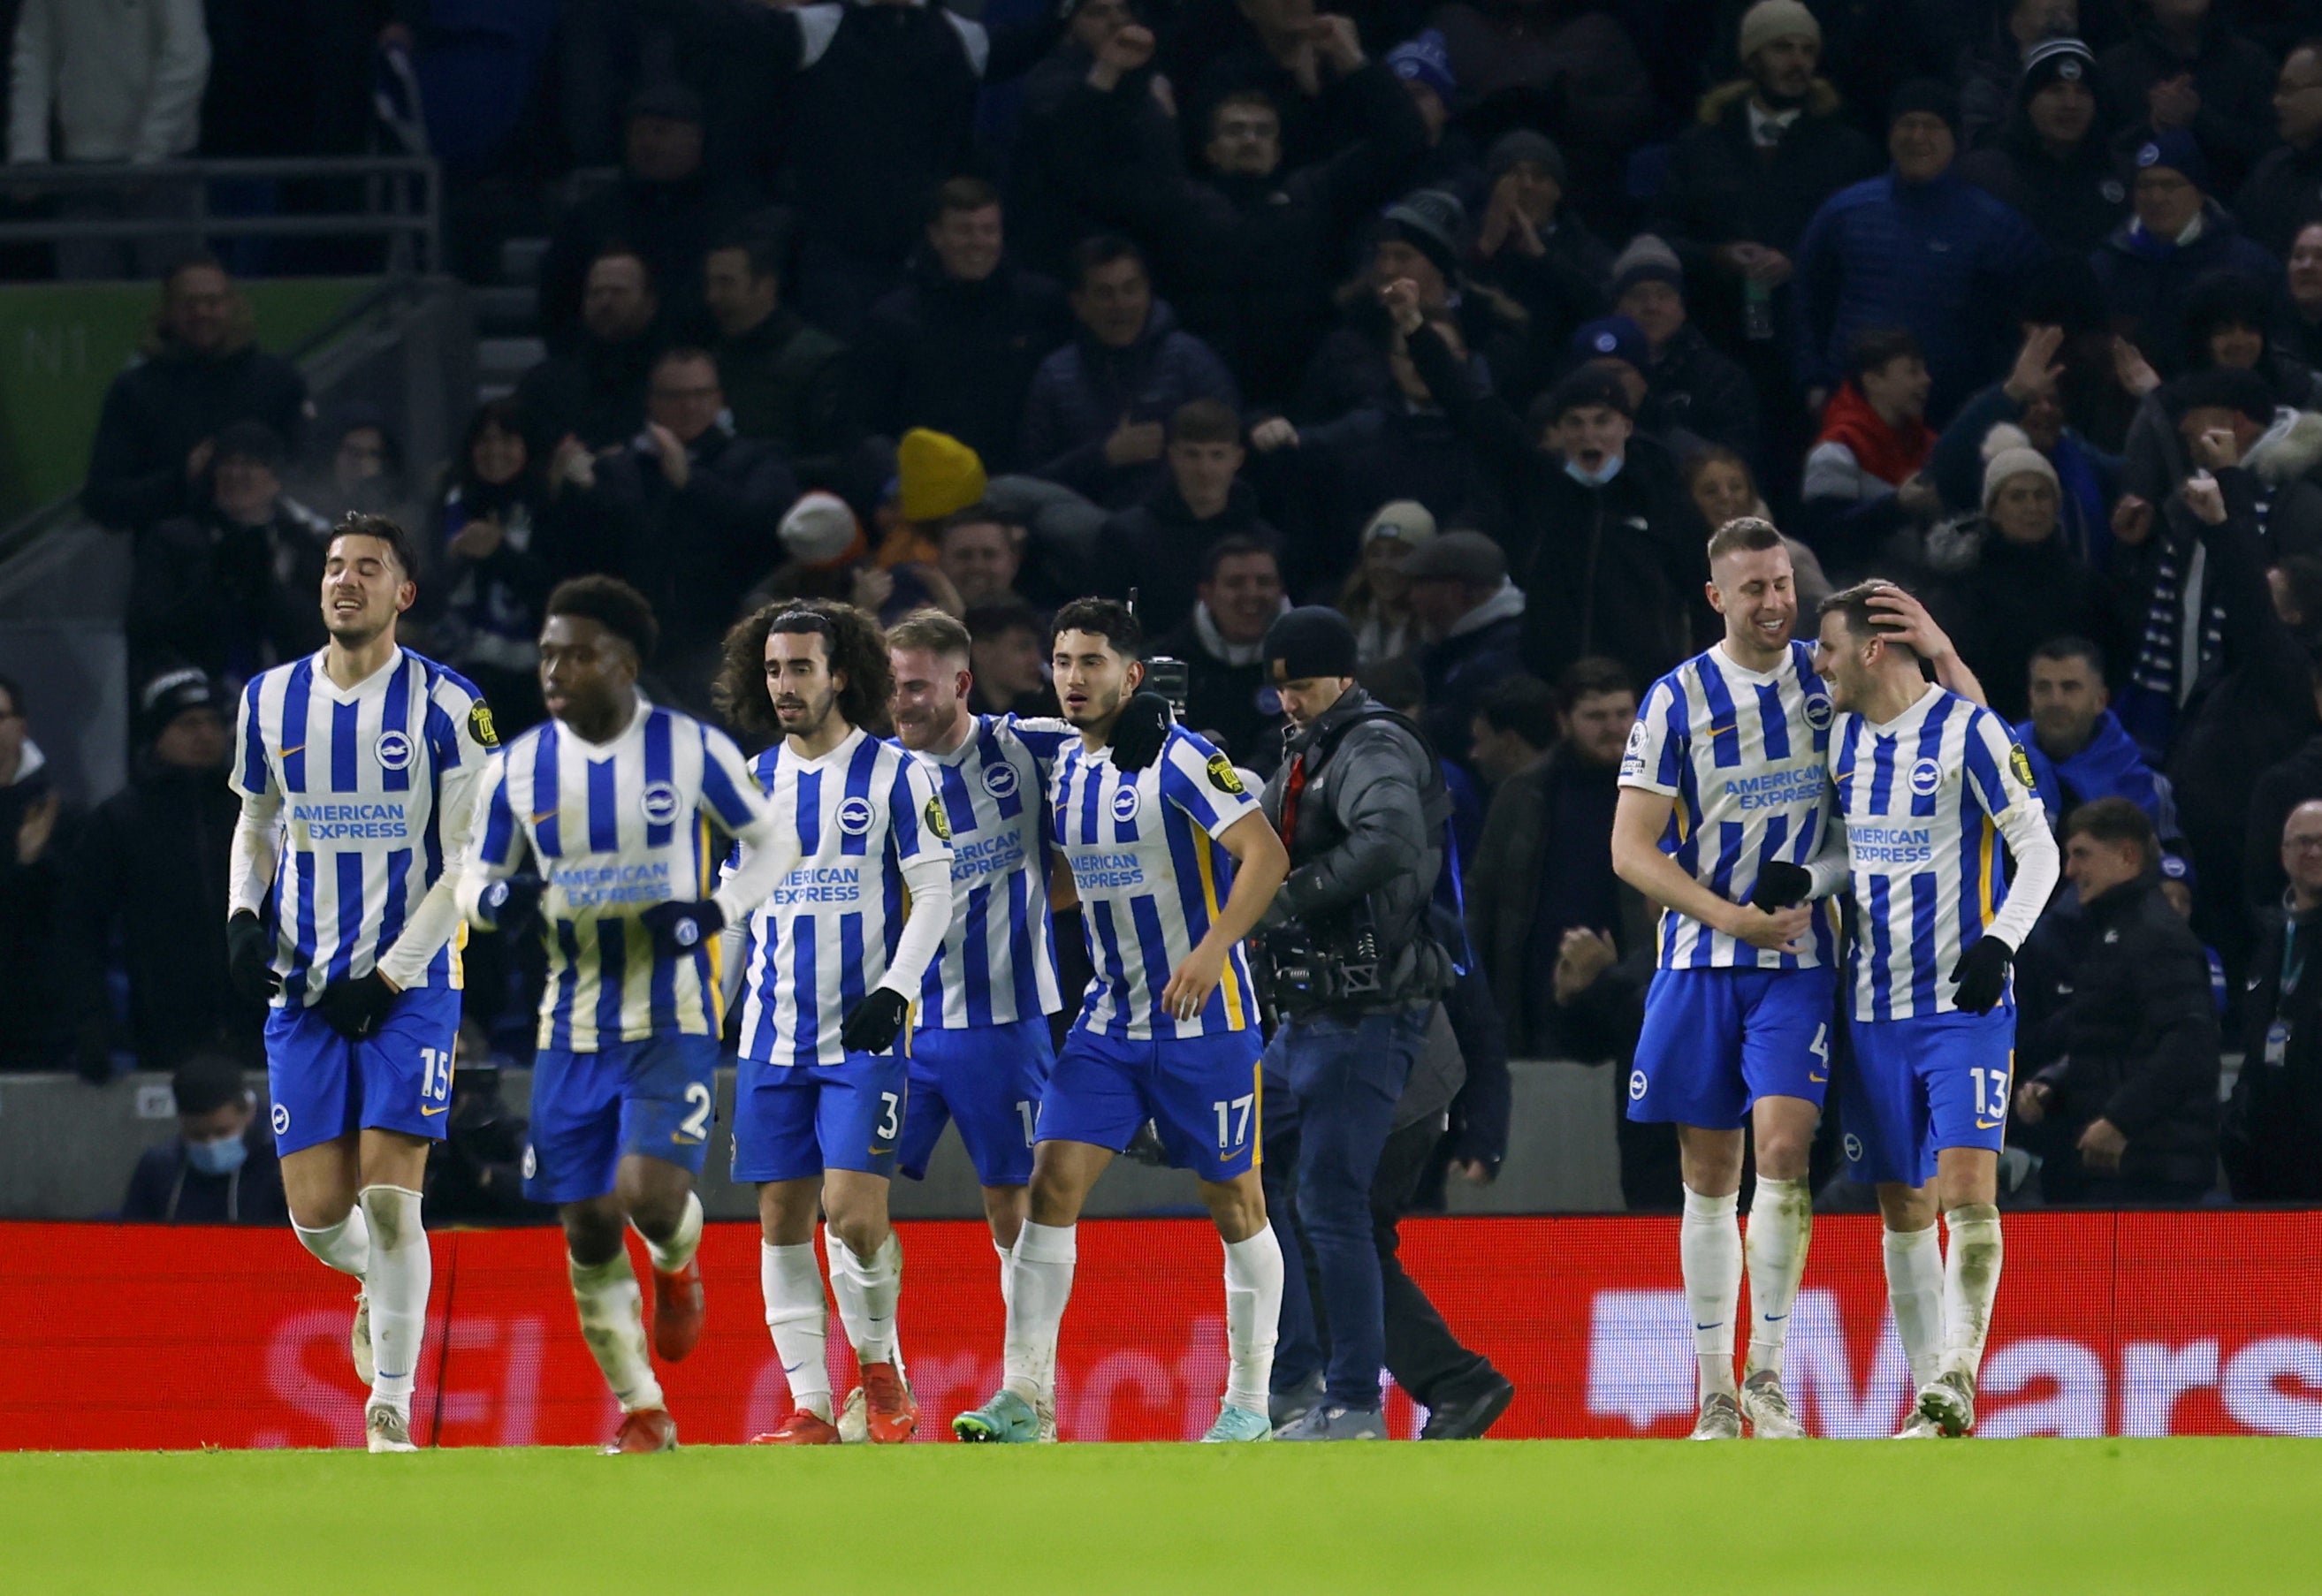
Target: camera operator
column 1352, row 970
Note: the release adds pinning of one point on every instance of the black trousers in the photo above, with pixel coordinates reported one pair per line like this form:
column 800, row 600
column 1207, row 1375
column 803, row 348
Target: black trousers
column 1426, row 1359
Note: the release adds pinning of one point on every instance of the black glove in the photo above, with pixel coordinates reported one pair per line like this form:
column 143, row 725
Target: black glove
column 250, row 957
column 1780, row 884
column 356, row 1008
column 1142, row 728
column 680, row 928
column 874, row 1023
column 510, row 907
column 1981, row 975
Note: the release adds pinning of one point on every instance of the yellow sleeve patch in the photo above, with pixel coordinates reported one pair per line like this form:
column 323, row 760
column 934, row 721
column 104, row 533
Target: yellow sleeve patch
column 1224, row 777
column 479, row 724
column 936, row 821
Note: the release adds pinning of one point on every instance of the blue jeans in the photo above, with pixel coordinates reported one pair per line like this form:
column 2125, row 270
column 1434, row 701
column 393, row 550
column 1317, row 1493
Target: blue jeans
column 1347, row 1077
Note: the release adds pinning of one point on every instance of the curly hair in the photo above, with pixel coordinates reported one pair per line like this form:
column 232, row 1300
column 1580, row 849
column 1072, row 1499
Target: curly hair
column 850, row 639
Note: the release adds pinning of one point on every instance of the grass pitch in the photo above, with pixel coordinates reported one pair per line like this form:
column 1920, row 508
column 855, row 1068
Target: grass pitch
column 1864, row 1519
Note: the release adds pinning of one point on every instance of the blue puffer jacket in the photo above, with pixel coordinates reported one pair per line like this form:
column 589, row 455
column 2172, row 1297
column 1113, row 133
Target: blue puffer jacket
column 1944, row 259
column 1085, row 389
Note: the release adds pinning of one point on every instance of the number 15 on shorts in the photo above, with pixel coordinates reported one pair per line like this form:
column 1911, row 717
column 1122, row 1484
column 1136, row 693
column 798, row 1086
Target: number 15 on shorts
column 1233, row 1120
column 434, row 1080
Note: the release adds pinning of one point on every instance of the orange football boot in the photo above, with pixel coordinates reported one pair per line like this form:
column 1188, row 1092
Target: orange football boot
column 892, row 1415
column 648, row 1429
column 678, row 1312
column 801, row 1428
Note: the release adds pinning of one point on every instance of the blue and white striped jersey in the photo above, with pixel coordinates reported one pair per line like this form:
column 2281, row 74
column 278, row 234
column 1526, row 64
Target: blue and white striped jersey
column 998, row 963
column 618, row 827
column 1151, row 881
column 1742, row 752
column 1925, row 800
column 370, row 791
column 825, row 935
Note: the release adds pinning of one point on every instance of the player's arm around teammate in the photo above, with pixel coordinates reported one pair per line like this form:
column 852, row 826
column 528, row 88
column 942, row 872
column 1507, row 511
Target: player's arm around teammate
column 1722, row 819
column 339, row 918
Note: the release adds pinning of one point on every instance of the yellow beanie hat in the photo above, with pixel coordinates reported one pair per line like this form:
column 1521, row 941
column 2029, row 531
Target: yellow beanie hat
column 940, row 475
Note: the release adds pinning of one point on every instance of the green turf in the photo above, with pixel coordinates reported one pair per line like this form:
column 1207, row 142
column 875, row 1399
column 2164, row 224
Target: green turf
column 1865, row 1518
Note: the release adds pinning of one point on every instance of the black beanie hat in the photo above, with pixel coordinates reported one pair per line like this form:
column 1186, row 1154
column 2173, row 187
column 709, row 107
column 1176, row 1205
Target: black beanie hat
column 2221, row 388
column 1308, row 642
column 1930, row 95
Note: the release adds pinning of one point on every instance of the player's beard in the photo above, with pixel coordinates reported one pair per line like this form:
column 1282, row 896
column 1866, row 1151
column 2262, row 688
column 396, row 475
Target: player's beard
column 1099, row 711
column 809, row 718
column 359, row 636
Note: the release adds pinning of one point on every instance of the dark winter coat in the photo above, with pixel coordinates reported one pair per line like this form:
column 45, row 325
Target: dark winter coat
column 2272, row 1137
column 228, row 599
column 1245, row 258
column 2136, row 1041
column 1692, row 392
column 1157, row 548
column 2283, row 193
column 2075, row 204
column 160, row 408
column 596, row 391
column 694, row 551
column 959, row 358
column 1720, row 188
column 1085, row 389
column 2145, row 283
column 788, row 383
column 149, row 873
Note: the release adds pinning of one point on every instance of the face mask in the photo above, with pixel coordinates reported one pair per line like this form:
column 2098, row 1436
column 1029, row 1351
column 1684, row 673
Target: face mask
column 221, row 1157
column 1597, row 478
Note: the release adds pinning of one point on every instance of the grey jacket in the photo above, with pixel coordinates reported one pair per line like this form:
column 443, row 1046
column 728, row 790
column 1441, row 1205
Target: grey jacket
column 1369, row 824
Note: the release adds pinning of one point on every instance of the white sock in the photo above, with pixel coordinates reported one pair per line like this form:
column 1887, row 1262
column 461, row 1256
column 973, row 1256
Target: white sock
column 1971, row 1285
column 675, row 1254
column 1781, row 1224
column 1043, row 1283
column 866, row 1290
column 1709, row 1253
column 401, row 1270
column 613, row 1324
column 1007, row 1283
column 1253, row 1315
column 796, row 1315
column 345, row 1246
column 1915, row 1290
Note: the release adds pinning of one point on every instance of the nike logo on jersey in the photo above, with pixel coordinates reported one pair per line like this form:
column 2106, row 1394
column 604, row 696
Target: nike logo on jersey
column 289, row 752
column 1989, row 1124
column 425, row 1112
column 1817, row 1079
column 1708, row 1326
column 545, row 814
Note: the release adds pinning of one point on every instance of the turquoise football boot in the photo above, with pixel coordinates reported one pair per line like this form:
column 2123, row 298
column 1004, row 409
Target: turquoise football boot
column 1006, row 1418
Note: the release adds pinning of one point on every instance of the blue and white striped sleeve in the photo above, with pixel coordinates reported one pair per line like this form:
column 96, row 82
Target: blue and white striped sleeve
column 730, row 795
column 1204, row 782
column 915, row 814
column 1654, row 760
column 253, row 773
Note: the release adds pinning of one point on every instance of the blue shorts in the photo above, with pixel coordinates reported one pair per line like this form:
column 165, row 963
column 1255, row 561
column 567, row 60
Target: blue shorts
column 1922, row 1085
column 988, row 1078
column 793, row 1121
column 1202, row 1094
column 657, row 1099
column 1716, row 1041
column 326, row 1087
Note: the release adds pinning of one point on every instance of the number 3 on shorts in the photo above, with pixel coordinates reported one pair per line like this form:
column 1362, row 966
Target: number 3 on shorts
column 890, row 1115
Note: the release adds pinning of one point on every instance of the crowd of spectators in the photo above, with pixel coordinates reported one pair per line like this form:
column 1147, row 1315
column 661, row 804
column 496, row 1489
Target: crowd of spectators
column 1472, row 318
